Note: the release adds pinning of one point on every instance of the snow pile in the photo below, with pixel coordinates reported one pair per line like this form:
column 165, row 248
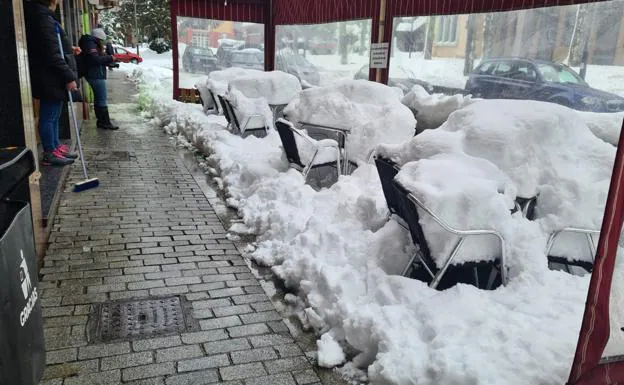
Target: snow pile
column 432, row 110
column 254, row 112
column 371, row 111
column 605, row 126
column 329, row 352
column 330, row 247
column 276, row 87
column 544, row 149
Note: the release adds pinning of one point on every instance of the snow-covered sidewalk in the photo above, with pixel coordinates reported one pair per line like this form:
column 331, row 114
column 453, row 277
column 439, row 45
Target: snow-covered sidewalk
column 337, row 251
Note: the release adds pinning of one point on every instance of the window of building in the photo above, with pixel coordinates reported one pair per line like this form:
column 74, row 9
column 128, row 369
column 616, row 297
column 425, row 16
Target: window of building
column 446, row 29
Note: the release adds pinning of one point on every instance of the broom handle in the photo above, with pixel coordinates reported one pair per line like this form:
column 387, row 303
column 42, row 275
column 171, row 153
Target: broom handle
column 71, row 109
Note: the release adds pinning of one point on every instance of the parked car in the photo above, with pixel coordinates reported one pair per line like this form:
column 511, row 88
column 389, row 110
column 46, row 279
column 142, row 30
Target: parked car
column 402, row 78
column 198, row 59
column 224, row 52
column 295, row 64
column 248, row 58
column 519, row 78
column 125, row 56
column 318, row 46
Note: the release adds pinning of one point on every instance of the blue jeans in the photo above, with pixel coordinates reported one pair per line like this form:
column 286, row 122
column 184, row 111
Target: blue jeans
column 99, row 92
column 49, row 114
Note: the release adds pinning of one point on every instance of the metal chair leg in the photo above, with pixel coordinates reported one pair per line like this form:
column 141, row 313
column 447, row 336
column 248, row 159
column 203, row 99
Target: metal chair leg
column 438, row 277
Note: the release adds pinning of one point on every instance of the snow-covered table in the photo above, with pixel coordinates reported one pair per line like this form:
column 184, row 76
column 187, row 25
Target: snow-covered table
column 371, row 113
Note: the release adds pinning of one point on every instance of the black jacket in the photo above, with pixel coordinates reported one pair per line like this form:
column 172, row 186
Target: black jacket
column 95, row 61
column 49, row 70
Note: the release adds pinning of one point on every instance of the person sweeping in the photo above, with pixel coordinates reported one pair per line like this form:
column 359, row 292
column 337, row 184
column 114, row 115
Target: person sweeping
column 94, row 64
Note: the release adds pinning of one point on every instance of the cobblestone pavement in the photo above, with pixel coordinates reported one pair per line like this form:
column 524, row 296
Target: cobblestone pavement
column 149, row 232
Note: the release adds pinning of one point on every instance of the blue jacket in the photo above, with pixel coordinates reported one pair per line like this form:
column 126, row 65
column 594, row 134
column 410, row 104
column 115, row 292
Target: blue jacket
column 94, row 61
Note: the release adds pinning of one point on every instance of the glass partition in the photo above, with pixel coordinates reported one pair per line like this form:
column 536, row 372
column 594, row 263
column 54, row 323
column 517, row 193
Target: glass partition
column 566, row 54
column 320, row 54
column 206, row 45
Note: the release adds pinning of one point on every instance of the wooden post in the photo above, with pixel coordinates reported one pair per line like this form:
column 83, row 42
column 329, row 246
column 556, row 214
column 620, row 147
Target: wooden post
column 28, row 117
column 380, row 37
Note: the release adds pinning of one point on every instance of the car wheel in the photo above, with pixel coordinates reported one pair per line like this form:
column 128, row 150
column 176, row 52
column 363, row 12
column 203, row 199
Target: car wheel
column 134, row 61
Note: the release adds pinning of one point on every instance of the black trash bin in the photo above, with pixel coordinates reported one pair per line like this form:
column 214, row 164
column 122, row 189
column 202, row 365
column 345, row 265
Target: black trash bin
column 22, row 349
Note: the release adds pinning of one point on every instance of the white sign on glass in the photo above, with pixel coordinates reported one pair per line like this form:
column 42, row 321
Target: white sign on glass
column 379, row 55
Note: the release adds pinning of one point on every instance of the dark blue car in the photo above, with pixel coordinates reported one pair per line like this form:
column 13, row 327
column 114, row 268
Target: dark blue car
column 517, row 78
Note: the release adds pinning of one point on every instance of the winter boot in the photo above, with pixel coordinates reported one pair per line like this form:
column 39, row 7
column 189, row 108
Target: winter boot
column 55, row 158
column 103, row 119
column 66, row 152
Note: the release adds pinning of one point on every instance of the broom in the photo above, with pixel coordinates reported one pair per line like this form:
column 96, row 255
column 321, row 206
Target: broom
column 87, row 183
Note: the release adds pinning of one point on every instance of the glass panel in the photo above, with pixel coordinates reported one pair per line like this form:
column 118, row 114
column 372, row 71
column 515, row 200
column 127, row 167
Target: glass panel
column 320, row 54
column 206, row 45
column 566, row 46
column 564, row 69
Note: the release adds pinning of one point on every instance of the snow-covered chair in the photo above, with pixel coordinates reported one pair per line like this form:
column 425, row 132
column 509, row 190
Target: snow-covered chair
column 226, row 113
column 387, row 170
column 303, row 152
column 582, row 240
column 485, row 275
column 254, row 124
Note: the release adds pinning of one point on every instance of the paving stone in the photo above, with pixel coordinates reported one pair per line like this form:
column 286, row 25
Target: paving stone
column 204, row 336
column 142, row 269
column 218, row 277
column 226, row 346
column 147, row 381
column 287, row 364
column 202, row 313
column 60, row 356
column 260, row 317
column 126, row 360
column 182, row 281
column 147, row 371
column 232, row 310
column 305, row 377
column 219, row 323
column 248, row 330
column 156, row 343
column 279, row 327
column 213, row 303
column 263, row 306
column 124, row 278
column 243, row 282
column 245, row 356
column 237, row 372
column 171, row 290
column 146, row 284
column 120, row 295
column 288, row 350
column 229, row 292
column 111, row 377
column 249, row 298
column 83, row 298
column 270, row 340
column 70, row 369
column 253, row 290
column 103, row 350
column 209, row 362
column 178, row 353
column 206, row 377
column 275, row 379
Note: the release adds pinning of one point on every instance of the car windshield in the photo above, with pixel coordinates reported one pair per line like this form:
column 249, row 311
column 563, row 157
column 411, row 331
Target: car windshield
column 558, row 74
column 249, row 58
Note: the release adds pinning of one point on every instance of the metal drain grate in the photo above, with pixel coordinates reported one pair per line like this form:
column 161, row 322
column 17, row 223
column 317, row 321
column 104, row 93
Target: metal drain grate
column 138, row 319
